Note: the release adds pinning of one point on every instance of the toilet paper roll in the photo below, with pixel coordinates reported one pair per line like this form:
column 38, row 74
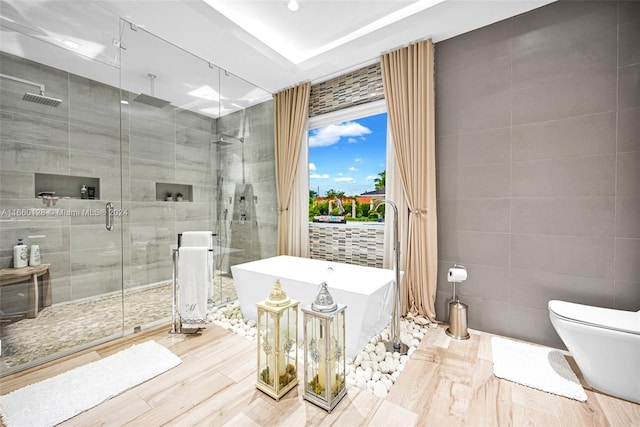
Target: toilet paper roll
column 457, row 275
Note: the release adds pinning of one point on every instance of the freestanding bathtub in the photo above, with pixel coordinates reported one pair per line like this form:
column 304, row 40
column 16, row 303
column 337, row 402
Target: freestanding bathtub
column 367, row 291
column 605, row 344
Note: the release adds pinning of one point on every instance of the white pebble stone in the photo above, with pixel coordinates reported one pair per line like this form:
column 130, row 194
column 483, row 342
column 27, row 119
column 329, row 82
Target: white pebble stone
column 366, row 364
column 369, row 348
column 368, row 373
column 418, row 335
column 371, row 385
column 380, row 390
column 376, row 376
column 414, row 343
column 395, row 376
column 396, row 355
column 361, row 383
column 365, row 356
column 241, row 332
column 410, row 351
column 384, row 367
column 400, row 368
column 387, row 383
column 350, row 381
column 358, row 360
column 404, row 359
column 375, row 366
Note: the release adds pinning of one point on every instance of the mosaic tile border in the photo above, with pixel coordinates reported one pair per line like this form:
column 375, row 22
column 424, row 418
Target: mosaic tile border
column 354, row 88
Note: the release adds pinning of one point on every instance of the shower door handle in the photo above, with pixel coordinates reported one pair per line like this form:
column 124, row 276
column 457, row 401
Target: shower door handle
column 109, row 216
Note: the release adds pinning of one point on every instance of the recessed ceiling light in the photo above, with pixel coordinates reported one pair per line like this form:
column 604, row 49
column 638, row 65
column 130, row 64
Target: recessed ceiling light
column 71, row 44
column 122, row 101
column 293, row 5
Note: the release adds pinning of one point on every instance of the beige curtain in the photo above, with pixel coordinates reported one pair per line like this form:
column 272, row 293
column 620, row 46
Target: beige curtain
column 409, row 93
column 291, row 116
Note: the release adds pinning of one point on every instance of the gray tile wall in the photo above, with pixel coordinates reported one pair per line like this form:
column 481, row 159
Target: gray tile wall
column 538, row 153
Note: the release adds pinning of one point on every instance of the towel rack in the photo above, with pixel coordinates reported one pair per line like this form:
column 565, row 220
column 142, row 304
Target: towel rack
column 176, row 319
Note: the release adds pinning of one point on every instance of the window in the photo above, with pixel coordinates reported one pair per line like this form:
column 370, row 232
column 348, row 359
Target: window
column 347, row 163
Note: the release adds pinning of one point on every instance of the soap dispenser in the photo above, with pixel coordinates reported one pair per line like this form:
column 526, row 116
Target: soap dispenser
column 20, row 255
column 34, row 255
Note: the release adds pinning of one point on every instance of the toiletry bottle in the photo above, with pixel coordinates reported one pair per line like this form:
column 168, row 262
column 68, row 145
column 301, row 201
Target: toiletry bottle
column 34, row 255
column 83, row 192
column 20, row 255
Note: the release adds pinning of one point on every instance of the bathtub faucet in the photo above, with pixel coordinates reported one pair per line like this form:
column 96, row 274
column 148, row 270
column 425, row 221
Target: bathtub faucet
column 395, row 344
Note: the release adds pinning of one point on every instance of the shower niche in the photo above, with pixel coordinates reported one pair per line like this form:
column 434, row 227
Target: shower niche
column 169, row 192
column 67, row 186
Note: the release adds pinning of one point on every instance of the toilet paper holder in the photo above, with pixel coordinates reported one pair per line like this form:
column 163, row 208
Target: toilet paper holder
column 457, row 311
column 456, row 274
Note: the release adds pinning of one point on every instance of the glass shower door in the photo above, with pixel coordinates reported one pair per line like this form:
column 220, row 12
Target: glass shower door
column 60, row 165
column 168, row 125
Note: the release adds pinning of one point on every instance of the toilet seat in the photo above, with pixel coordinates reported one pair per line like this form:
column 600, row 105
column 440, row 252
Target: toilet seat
column 617, row 320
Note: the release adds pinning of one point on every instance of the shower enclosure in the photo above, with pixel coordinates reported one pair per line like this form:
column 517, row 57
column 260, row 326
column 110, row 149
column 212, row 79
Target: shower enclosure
column 87, row 177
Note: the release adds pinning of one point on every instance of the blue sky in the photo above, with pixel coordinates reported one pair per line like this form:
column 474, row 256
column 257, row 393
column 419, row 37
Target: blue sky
column 348, row 156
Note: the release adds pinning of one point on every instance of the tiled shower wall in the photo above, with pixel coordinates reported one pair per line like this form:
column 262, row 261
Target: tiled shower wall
column 81, row 137
column 538, row 153
column 248, row 230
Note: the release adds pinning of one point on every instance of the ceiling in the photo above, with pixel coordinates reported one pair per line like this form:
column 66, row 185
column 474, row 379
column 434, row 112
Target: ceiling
column 259, row 41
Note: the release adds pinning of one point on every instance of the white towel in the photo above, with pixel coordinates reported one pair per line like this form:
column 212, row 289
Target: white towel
column 197, row 238
column 194, row 281
column 201, row 238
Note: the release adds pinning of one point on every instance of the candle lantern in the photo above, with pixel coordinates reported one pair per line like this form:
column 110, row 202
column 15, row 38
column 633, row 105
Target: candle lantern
column 324, row 352
column 277, row 343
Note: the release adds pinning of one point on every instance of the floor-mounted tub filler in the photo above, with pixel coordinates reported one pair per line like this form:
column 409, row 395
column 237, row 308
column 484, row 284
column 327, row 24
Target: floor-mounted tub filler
column 605, row 344
column 367, row 291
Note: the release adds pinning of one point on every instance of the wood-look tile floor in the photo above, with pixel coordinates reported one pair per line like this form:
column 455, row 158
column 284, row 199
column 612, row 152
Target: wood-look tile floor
column 446, row 383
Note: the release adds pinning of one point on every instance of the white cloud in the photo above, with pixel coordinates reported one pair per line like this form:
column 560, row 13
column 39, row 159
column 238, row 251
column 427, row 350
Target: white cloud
column 353, row 169
column 344, row 179
column 329, row 135
column 358, row 160
column 312, row 166
column 352, row 140
column 319, row 176
column 371, row 178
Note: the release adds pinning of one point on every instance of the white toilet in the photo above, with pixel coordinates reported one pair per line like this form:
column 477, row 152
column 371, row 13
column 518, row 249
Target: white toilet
column 605, row 344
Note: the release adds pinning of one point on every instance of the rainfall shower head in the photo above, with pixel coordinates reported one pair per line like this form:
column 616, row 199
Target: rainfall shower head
column 32, row 97
column 150, row 99
column 42, row 99
column 224, row 139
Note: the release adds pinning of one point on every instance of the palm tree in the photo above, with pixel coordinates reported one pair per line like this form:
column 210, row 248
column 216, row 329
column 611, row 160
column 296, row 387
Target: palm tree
column 380, row 182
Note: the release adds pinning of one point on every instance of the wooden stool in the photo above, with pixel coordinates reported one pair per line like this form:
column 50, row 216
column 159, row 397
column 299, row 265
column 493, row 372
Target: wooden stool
column 17, row 275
